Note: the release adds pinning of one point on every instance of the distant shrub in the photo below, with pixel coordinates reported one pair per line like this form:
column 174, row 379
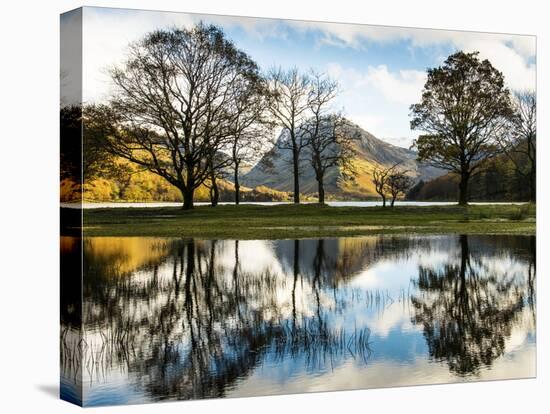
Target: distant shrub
column 263, row 193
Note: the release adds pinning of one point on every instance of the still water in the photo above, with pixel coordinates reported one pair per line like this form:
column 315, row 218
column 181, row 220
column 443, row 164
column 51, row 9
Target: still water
column 160, row 204
column 168, row 319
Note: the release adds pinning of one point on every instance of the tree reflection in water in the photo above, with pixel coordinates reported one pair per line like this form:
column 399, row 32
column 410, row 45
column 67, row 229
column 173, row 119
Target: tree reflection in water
column 467, row 311
column 193, row 334
column 186, row 319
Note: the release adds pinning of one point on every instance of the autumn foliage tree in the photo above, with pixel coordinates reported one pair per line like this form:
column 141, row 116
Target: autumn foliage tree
column 464, row 109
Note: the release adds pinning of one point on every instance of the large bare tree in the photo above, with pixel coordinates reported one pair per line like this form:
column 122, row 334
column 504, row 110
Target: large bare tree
column 171, row 110
column 331, row 146
column 326, row 140
column 464, row 109
column 520, row 142
column 250, row 129
column 289, row 93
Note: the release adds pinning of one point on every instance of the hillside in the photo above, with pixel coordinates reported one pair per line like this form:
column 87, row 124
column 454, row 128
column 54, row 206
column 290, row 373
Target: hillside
column 269, row 180
column 497, row 181
column 132, row 185
column 274, row 169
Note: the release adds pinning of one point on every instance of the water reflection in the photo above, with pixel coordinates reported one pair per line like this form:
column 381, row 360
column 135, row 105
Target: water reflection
column 186, row 319
column 467, row 309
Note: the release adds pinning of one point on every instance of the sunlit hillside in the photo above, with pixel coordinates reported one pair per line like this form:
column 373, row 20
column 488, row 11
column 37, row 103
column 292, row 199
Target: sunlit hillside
column 145, row 186
column 275, row 171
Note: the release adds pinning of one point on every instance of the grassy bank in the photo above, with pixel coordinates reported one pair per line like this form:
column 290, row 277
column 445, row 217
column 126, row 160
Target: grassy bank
column 289, row 221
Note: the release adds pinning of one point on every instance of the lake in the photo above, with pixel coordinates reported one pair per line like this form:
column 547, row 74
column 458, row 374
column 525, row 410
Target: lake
column 178, row 319
column 157, row 204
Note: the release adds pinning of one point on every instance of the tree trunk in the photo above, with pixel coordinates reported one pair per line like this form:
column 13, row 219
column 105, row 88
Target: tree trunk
column 461, row 293
column 383, row 201
column 463, row 189
column 464, row 255
column 392, row 201
column 188, row 190
column 320, row 183
column 189, row 272
column 214, row 193
column 295, row 165
column 237, row 186
column 187, row 195
column 296, row 268
column 236, row 278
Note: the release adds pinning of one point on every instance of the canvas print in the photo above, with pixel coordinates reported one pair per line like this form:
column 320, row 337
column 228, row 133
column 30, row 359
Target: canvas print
column 256, row 206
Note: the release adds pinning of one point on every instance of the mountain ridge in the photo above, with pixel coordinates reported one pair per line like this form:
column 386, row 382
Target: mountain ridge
column 274, row 171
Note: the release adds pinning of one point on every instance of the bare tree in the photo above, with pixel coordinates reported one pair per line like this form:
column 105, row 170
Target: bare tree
column 217, row 162
column 390, row 182
column 171, row 109
column 379, row 179
column 330, row 147
column 327, row 144
column 250, row 128
column 520, row 142
column 398, row 183
column 289, row 93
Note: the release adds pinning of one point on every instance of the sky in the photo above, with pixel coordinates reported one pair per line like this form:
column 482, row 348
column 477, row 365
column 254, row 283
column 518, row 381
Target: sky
column 381, row 70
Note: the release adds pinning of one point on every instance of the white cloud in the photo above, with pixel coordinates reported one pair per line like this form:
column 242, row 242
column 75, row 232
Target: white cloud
column 106, row 36
column 108, row 32
column 376, row 97
column 404, row 86
column 368, row 121
column 513, row 55
column 510, row 54
column 353, row 35
column 260, row 28
column 518, row 73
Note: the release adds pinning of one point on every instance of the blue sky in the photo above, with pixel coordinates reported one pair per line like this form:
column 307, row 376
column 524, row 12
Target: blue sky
column 380, row 69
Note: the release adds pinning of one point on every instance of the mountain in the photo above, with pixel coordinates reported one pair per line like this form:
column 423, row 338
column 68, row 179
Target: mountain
column 274, row 170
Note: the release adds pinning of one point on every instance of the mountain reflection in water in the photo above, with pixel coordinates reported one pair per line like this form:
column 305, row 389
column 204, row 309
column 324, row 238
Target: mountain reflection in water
column 184, row 319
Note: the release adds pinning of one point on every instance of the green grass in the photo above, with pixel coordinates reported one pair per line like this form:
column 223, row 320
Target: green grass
column 290, row 221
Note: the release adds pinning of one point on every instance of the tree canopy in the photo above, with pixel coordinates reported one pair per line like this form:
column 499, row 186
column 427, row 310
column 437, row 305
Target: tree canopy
column 172, row 111
column 464, row 108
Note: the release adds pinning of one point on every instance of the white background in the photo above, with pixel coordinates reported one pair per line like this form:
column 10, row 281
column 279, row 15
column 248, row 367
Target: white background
column 29, row 291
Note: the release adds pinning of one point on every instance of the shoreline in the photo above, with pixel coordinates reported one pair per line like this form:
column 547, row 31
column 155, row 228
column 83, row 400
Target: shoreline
column 344, row 203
